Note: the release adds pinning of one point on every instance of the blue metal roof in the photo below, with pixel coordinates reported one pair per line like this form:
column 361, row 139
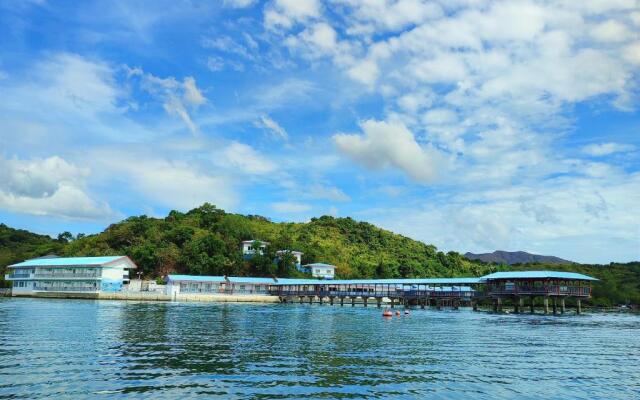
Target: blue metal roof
column 405, row 281
column 67, row 261
column 196, row 278
column 248, row 279
column 323, row 265
column 538, row 275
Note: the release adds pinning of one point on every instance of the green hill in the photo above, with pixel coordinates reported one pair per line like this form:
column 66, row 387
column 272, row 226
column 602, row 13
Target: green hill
column 206, row 241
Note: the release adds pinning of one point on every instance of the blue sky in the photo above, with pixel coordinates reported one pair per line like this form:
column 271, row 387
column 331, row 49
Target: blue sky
column 473, row 125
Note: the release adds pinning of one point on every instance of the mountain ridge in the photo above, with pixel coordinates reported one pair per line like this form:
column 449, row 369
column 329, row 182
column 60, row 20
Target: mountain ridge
column 515, row 257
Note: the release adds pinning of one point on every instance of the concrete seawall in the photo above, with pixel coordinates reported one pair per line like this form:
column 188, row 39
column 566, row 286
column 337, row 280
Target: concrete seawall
column 152, row 296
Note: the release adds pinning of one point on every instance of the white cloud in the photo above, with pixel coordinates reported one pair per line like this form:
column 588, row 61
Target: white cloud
column 239, row 3
column 332, row 193
column 290, row 207
column 275, row 128
column 176, row 96
column 286, row 13
column 51, row 187
column 603, row 149
column 244, row 158
column 385, row 144
column 611, row 31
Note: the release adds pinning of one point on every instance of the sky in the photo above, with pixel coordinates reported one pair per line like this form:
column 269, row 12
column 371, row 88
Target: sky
column 472, row 125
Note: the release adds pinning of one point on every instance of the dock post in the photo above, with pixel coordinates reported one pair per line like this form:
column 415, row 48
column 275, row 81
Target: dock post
column 331, row 300
column 300, row 299
column 562, row 306
column 474, row 305
column 555, row 306
column 341, row 301
column 499, row 304
column 520, row 304
column 365, row 299
column 393, row 302
column 379, row 301
column 456, row 304
column 353, row 302
column 532, row 299
column 310, row 299
column 320, row 298
column 495, row 305
column 578, row 306
column 422, row 303
column 439, row 304
column 546, row 304
column 516, row 305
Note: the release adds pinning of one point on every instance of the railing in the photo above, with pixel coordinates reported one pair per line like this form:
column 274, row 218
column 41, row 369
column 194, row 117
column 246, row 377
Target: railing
column 546, row 290
column 18, row 276
column 380, row 293
column 68, row 275
column 66, row 289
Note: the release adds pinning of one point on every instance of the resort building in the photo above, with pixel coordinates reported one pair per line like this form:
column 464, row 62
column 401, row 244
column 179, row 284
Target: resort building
column 320, row 270
column 251, row 247
column 70, row 274
column 191, row 284
column 296, row 254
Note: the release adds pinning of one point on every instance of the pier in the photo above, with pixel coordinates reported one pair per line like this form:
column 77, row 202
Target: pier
column 515, row 287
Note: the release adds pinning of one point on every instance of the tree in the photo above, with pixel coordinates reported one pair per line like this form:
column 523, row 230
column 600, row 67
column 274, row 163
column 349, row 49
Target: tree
column 65, row 237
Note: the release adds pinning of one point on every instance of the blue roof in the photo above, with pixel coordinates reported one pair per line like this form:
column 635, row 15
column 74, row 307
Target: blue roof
column 405, row 281
column 247, row 279
column 538, row 275
column 196, row 278
column 65, row 261
column 319, row 265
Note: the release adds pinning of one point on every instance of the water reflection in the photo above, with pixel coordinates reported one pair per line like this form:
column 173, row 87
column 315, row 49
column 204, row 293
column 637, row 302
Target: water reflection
column 84, row 349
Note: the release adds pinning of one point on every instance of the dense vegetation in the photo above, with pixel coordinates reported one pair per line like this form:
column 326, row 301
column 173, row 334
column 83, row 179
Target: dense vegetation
column 206, row 241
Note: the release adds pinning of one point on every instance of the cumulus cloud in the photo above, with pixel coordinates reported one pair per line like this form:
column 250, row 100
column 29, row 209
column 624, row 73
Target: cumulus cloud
column 386, row 144
column 286, row 13
column 604, row 149
column 50, row 187
column 332, row 193
column 247, row 160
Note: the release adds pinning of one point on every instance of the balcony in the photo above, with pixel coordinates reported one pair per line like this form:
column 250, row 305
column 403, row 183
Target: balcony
column 546, row 290
column 66, row 276
column 9, row 277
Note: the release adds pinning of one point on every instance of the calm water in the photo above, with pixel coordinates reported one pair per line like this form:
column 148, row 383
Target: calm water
column 103, row 349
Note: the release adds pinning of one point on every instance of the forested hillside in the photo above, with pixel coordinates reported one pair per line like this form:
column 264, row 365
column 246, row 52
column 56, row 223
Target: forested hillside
column 207, row 241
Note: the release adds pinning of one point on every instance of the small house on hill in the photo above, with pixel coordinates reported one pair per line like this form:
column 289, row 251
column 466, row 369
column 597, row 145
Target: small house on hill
column 320, row 270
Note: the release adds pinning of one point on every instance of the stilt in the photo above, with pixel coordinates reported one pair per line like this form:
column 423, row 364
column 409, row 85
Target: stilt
column 474, row 305
column 331, row 300
column 379, row 301
column 500, row 304
column 531, row 305
column 516, row 305
column 393, row 302
column 578, row 306
column 320, row 299
column 310, row 299
column 353, row 302
column 546, row 305
column 301, row 299
column 365, row 299
column 456, row 304
column 341, row 301
column 495, row 305
column 439, row 304
column 422, row 303
column 562, row 306
column 555, row 306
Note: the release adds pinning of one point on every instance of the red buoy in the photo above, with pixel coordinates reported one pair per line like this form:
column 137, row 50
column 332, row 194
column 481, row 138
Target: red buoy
column 387, row 313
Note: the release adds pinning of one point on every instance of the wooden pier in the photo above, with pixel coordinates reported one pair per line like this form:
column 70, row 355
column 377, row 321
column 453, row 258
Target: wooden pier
column 515, row 287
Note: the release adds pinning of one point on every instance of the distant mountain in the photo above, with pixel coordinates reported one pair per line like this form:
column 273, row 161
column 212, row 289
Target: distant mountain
column 515, row 257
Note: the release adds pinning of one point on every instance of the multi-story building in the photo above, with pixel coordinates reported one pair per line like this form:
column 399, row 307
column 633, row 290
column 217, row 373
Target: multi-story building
column 251, row 247
column 70, row 274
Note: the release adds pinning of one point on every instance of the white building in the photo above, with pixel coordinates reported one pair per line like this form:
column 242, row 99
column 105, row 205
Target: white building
column 248, row 247
column 296, row 254
column 193, row 284
column 71, row 274
column 320, row 270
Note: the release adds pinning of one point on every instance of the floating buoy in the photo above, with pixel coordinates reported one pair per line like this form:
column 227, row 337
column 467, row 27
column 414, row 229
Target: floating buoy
column 406, row 312
column 398, row 313
column 387, row 313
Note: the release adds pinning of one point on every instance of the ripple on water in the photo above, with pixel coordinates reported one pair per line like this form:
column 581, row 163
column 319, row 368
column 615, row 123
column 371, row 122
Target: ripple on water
column 88, row 349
